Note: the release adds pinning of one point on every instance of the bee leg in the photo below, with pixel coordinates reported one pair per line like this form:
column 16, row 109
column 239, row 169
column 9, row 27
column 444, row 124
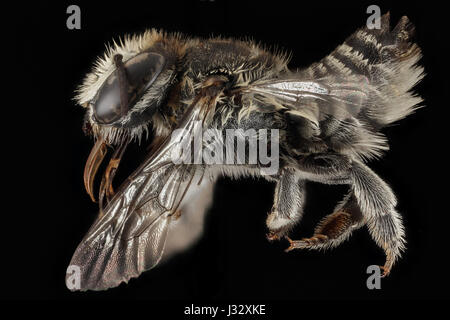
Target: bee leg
column 287, row 209
column 332, row 168
column 377, row 203
column 371, row 202
column 333, row 229
column 329, row 165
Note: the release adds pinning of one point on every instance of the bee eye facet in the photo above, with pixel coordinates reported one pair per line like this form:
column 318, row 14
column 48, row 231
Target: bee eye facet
column 126, row 85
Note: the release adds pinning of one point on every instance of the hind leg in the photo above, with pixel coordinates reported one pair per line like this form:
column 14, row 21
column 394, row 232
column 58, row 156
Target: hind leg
column 376, row 203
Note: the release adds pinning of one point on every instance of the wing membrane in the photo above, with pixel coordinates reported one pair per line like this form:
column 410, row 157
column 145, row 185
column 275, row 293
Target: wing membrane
column 129, row 237
column 313, row 98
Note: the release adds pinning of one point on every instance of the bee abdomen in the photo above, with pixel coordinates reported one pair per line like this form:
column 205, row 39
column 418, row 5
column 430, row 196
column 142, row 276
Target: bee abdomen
column 384, row 64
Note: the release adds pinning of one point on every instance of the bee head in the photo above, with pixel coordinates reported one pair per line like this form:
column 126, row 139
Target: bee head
column 129, row 84
column 122, row 95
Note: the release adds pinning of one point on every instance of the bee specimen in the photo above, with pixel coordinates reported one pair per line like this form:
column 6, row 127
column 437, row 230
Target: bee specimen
column 328, row 116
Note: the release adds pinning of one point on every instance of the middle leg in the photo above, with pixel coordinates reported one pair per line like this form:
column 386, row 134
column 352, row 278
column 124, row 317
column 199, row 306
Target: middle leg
column 287, row 209
column 331, row 168
column 333, row 229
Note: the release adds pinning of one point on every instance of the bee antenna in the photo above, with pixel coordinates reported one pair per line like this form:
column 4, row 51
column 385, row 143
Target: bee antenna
column 123, row 83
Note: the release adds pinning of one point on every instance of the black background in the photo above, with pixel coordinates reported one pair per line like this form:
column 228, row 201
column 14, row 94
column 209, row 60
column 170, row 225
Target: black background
column 233, row 261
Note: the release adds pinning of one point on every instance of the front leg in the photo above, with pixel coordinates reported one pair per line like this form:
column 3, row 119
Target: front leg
column 287, row 209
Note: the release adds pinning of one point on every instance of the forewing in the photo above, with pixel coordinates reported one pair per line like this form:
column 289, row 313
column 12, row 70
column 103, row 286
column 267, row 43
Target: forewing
column 129, row 237
column 313, row 99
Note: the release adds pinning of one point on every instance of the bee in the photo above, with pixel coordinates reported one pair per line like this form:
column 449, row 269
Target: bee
column 327, row 118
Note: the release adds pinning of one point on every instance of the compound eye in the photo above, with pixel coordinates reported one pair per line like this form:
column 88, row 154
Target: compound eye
column 126, row 85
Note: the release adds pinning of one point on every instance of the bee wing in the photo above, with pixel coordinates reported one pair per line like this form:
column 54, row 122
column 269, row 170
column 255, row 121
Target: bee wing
column 368, row 78
column 312, row 99
column 129, row 237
